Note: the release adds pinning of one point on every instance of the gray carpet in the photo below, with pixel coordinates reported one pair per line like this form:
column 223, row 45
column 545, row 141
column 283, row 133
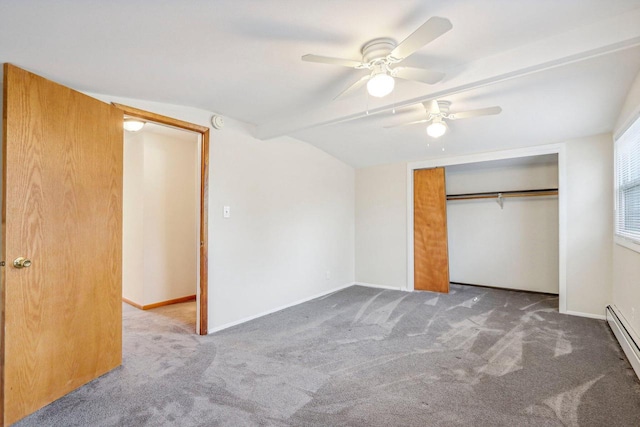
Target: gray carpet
column 366, row 357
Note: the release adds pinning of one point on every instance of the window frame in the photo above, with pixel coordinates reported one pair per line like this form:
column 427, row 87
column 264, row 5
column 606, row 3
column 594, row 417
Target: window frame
column 620, row 239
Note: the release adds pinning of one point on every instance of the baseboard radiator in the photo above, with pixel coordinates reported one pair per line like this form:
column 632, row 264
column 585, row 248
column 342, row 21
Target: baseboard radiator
column 627, row 338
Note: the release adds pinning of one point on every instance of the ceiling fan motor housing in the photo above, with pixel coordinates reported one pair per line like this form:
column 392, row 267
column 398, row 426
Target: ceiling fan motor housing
column 377, row 49
column 444, row 107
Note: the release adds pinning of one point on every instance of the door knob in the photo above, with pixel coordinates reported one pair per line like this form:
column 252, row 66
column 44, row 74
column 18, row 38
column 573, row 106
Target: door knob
column 21, row 262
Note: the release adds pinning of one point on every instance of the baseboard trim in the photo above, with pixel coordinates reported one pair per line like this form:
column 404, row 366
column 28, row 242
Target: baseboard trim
column 625, row 336
column 504, row 289
column 161, row 303
column 588, row 315
column 275, row 310
column 373, row 285
column 133, row 304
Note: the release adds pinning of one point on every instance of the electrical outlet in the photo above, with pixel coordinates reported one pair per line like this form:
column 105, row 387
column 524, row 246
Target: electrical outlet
column 328, row 275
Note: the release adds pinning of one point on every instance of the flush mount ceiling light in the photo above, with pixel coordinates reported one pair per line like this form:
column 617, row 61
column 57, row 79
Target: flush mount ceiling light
column 383, row 54
column 438, row 112
column 133, row 125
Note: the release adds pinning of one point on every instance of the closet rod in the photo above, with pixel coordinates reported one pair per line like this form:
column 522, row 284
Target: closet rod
column 493, row 194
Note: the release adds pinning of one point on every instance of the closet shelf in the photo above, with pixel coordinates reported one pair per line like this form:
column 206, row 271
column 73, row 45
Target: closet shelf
column 504, row 194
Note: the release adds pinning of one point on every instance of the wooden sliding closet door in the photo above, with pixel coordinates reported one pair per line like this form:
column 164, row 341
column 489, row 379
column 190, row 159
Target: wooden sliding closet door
column 430, row 249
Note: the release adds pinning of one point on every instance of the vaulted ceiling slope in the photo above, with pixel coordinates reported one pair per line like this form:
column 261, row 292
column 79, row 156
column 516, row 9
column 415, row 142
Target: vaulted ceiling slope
column 558, row 69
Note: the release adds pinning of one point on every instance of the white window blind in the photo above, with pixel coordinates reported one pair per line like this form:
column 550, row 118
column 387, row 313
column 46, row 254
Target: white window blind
column 627, row 167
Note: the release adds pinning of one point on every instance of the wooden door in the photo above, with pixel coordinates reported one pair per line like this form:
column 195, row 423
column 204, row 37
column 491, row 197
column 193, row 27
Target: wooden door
column 430, row 246
column 62, row 210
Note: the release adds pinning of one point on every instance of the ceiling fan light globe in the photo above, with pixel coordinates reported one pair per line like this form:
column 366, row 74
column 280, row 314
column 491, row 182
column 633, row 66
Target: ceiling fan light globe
column 380, row 85
column 436, row 129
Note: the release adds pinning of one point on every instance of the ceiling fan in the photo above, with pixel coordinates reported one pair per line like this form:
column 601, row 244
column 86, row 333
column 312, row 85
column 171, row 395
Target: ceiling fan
column 381, row 55
column 438, row 112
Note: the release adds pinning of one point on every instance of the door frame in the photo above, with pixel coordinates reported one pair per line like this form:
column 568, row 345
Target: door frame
column 558, row 149
column 202, row 323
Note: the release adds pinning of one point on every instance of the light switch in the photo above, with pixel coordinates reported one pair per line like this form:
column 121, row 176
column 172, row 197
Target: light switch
column 227, row 212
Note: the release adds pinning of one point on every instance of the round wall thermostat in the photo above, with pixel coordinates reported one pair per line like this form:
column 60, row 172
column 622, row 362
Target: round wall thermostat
column 217, row 122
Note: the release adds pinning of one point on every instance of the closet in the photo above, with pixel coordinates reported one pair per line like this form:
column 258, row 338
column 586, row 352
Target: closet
column 501, row 225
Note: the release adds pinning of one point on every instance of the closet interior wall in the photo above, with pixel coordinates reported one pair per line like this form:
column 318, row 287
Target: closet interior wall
column 511, row 246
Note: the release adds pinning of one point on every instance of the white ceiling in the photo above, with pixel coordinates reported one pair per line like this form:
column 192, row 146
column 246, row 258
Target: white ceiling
column 559, row 68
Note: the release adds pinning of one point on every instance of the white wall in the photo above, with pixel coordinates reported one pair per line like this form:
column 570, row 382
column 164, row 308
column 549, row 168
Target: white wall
column 133, row 218
column 292, row 221
column 292, row 218
column 535, row 172
column 171, row 212
column 160, row 215
column 626, row 262
column 381, row 225
column 589, row 223
column 514, row 247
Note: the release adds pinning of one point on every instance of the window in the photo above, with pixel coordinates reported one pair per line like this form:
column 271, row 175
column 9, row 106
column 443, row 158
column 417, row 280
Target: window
column 627, row 181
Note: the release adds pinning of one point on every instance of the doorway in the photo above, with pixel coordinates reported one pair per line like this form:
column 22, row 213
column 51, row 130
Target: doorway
column 202, row 132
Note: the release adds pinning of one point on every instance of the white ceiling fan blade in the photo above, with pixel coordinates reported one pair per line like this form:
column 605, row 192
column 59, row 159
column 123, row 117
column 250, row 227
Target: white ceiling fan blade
column 407, row 124
column 475, row 113
column 432, row 107
column 353, row 88
column 418, row 75
column 332, row 61
column 429, row 31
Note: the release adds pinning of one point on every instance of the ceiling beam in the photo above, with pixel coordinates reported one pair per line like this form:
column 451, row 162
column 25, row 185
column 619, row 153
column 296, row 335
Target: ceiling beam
column 601, row 38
